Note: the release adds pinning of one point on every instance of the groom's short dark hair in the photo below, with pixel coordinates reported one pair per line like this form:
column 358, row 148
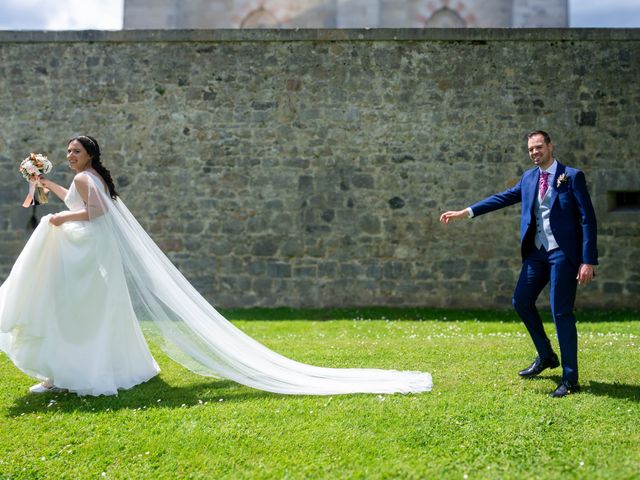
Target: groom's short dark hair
column 547, row 138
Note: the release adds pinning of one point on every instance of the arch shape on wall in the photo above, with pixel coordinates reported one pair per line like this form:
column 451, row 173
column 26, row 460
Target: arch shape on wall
column 260, row 18
column 444, row 13
column 261, row 14
column 445, row 18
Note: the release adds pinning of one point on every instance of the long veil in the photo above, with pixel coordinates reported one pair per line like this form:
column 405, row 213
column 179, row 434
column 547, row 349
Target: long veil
column 177, row 318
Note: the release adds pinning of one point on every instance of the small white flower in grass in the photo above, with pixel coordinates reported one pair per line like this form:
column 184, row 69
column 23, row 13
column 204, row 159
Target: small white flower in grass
column 465, row 476
column 582, row 464
column 221, row 400
column 159, row 400
column 146, row 453
column 43, row 458
column 200, row 402
column 183, row 405
column 104, row 474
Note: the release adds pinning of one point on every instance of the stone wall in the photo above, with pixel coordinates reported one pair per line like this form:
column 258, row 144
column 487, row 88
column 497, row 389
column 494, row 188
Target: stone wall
column 309, row 168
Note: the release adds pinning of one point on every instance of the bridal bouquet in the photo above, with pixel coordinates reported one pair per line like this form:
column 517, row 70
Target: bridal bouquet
column 31, row 168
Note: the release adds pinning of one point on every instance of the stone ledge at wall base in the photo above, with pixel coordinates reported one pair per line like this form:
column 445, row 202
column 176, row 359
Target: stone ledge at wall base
column 308, row 168
column 312, row 35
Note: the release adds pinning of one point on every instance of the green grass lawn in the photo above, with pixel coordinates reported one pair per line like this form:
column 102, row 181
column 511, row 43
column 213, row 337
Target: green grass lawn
column 480, row 420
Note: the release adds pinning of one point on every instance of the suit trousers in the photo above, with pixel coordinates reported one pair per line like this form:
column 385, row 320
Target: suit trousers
column 539, row 269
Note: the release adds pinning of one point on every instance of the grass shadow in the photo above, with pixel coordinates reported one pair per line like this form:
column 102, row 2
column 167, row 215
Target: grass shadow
column 623, row 391
column 155, row 393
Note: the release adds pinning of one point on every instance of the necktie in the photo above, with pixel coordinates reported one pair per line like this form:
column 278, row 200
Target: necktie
column 544, row 183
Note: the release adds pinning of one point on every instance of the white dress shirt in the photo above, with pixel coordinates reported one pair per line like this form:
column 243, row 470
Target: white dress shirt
column 544, row 236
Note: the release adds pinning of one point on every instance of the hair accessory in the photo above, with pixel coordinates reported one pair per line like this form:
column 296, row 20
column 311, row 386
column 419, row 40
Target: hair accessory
column 89, row 140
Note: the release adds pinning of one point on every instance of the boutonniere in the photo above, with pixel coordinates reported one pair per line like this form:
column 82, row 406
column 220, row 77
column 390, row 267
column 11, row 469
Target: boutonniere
column 562, row 179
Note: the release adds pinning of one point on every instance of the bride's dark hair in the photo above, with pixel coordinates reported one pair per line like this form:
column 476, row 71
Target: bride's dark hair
column 90, row 144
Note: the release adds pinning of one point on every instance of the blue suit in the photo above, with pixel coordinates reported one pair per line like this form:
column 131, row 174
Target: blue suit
column 573, row 224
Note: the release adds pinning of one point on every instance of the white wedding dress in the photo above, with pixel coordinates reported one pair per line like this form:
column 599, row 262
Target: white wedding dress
column 77, row 298
column 67, row 313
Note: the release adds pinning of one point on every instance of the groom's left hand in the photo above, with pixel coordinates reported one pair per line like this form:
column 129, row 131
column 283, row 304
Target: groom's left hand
column 585, row 274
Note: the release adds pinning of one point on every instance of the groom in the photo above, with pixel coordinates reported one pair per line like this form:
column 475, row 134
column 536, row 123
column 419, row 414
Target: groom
column 558, row 244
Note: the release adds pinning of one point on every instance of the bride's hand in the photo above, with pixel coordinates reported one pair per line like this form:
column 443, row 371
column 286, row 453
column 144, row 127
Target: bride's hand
column 43, row 182
column 56, row 219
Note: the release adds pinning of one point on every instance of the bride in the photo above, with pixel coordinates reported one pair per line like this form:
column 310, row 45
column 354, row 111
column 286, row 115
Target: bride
column 90, row 280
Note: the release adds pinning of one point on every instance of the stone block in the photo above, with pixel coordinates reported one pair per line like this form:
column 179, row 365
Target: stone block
column 309, row 271
column 327, row 269
column 278, row 270
column 305, row 183
column 370, row 224
column 265, row 247
column 291, row 248
column 362, row 180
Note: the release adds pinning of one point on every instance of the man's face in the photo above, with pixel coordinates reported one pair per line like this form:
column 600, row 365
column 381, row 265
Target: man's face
column 541, row 153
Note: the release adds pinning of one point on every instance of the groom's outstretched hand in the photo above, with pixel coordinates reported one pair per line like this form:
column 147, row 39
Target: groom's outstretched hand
column 452, row 215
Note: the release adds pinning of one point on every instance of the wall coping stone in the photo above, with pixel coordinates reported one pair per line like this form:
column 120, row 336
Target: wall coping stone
column 326, row 35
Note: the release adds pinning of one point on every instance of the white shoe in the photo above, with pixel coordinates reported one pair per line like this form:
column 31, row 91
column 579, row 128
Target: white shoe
column 44, row 387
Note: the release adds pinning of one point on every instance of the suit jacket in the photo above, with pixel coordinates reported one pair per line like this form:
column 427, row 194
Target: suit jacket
column 572, row 218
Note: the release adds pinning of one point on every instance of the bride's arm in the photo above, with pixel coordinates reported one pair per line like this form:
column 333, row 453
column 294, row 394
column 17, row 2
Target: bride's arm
column 59, row 218
column 81, row 183
column 58, row 190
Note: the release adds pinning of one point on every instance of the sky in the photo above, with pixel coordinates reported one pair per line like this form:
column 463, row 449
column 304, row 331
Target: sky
column 107, row 14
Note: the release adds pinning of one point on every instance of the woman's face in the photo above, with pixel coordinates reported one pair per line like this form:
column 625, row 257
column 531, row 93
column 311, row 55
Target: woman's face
column 78, row 158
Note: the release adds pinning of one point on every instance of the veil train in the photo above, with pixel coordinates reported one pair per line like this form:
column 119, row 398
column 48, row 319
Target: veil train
column 194, row 334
